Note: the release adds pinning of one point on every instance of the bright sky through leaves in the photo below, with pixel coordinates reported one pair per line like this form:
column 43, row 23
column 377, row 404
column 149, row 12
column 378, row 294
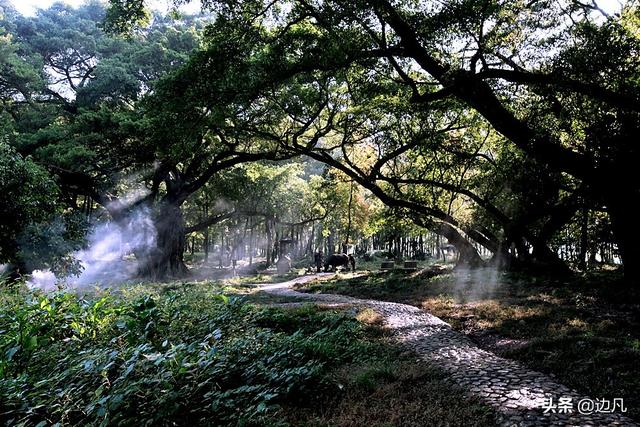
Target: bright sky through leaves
column 28, row 7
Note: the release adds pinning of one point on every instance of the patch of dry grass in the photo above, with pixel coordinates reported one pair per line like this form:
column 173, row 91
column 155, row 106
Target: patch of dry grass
column 370, row 317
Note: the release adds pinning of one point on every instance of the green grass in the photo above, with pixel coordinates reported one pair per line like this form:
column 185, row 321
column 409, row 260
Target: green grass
column 262, row 278
column 385, row 286
column 373, row 264
column 584, row 330
column 208, row 353
column 237, row 286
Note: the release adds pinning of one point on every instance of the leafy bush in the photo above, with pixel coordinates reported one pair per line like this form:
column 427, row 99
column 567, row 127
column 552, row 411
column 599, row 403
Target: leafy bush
column 186, row 355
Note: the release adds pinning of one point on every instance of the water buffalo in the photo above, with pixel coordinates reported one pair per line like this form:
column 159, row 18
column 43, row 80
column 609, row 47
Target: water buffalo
column 340, row 260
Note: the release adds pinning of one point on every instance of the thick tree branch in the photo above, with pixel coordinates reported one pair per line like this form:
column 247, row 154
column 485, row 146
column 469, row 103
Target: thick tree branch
column 611, row 97
column 212, row 220
column 473, row 90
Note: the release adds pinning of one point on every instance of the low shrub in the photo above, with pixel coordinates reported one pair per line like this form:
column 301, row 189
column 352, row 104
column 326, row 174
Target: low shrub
column 185, row 356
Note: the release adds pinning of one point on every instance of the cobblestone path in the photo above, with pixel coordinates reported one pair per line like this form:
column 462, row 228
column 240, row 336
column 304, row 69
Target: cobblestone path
column 518, row 393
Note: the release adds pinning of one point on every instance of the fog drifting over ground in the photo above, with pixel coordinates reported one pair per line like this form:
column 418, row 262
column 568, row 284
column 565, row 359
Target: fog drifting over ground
column 103, row 261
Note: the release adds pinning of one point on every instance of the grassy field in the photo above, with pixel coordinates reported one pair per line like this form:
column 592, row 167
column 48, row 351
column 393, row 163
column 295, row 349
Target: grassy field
column 209, row 353
column 585, row 331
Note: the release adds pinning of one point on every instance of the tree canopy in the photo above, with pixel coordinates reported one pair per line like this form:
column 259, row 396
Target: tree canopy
column 495, row 125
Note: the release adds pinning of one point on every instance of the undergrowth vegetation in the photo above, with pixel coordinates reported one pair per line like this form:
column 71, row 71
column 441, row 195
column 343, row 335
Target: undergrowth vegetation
column 188, row 354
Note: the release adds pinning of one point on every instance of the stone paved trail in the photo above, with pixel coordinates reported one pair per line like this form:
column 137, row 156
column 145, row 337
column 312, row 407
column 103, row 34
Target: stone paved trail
column 517, row 393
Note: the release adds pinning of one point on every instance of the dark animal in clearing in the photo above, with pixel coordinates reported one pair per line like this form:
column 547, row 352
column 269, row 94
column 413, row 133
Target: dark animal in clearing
column 340, row 260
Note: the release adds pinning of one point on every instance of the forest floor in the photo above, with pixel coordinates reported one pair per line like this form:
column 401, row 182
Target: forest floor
column 253, row 350
column 583, row 332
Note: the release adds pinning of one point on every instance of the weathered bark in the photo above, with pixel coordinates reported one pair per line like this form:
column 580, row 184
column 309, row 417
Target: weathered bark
column 166, row 259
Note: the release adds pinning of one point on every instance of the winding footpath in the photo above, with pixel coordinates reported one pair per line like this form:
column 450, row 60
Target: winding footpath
column 517, row 393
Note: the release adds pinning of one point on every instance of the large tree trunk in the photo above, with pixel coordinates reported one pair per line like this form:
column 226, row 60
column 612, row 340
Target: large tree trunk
column 469, row 256
column 166, row 259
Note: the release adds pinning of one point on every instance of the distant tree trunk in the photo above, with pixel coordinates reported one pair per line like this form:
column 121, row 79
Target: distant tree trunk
column 310, row 248
column 269, row 249
column 627, row 234
column 541, row 257
column 276, row 245
column 251, row 242
column 221, row 260
column 330, row 245
column 242, row 252
column 206, row 244
column 584, row 239
column 206, row 231
column 348, row 233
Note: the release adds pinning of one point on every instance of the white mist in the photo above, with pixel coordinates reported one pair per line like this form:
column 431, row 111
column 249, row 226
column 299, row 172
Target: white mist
column 103, row 261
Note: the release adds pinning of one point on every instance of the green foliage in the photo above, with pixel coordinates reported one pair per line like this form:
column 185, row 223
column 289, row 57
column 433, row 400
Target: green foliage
column 186, row 355
column 28, row 199
column 123, row 16
column 19, row 78
column 51, row 244
column 70, row 114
